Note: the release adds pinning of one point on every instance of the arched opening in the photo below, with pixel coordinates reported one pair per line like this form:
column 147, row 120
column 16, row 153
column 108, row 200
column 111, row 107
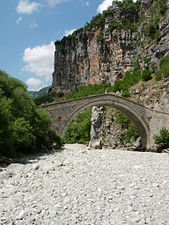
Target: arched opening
column 120, row 105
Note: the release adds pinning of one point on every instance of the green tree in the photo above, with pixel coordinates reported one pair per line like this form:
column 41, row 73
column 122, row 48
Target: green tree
column 24, row 128
column 79, row 129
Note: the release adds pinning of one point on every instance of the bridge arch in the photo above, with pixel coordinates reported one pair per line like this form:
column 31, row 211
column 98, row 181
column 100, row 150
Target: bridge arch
column 131, row 110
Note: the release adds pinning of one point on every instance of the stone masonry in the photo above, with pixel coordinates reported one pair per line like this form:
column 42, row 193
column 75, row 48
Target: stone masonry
column 148, row 121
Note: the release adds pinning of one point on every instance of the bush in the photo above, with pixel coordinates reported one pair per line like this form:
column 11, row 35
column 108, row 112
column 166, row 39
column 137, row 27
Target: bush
column 152, row 28
column 123, row 120
column 89, row 90
column 129, row 15
column 79, row 130
column 146, row 75
column 130, row 78
column 163, row 71
column 132, row 133
column 50, row 97
column 100, row 37
column 162, row 140
column 24, row 128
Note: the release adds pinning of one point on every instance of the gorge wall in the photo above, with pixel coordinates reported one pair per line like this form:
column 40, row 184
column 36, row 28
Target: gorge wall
column 105, row 49
column 108, row 46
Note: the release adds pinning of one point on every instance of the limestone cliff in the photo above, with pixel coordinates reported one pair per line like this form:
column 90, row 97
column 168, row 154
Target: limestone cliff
column 105, row 49
column 108, row 46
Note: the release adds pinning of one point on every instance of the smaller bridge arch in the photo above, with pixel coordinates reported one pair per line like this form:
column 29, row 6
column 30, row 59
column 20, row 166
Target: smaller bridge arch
column 64, row 112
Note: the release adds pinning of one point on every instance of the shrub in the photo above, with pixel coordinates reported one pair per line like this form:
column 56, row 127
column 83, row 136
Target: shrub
column 130, row 78
column 100, row 37
column 89, row 90
column 126, row 123
column 163, row 70
column 152, row 28
column 60, row 94
column 132, row 133
column 114, row 25
column 79, row 129
column 146, row 75
column 162, row 140
column 122, row 119
column 46, row 98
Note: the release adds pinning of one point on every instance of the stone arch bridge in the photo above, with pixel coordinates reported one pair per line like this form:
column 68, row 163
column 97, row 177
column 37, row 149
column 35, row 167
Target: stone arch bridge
column 148, row 121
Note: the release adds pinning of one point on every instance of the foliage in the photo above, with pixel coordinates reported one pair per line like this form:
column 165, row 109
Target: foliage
column 100, row 36
column 132, row 133
column 162, row 6
column 163, row 70
column 114, row 24
column 152, row 28
column 129, row 15
column 146, row 75
column 122, row 119
column 156, row 11
column 89, row 90
column 79, row 129
column 130, row 78
column 50, row 97
column 23, row 127
column 126, row 123
column 162, row 140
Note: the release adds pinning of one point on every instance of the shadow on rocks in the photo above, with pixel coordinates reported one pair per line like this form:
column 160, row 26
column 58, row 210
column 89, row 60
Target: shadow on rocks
column 26, row 158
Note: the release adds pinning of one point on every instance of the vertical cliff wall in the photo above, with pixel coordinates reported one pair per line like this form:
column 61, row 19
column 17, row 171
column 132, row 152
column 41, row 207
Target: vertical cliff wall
column 108, row 46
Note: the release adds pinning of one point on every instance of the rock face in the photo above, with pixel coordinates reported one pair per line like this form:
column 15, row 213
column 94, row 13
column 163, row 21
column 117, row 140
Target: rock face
column 98, row 53
column 107, row 133
column 96, row 127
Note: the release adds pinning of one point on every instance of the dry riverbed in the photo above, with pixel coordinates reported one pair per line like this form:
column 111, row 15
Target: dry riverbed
column 80, row 186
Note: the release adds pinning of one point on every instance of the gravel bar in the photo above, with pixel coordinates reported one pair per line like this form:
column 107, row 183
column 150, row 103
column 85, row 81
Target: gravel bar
column 87, row 187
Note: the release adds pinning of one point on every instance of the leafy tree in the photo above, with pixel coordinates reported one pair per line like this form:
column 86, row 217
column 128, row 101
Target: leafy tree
column 79, row 129
column 126, row 123
column 23, row 127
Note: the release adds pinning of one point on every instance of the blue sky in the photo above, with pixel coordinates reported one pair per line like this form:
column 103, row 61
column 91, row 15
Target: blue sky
column 29, row 28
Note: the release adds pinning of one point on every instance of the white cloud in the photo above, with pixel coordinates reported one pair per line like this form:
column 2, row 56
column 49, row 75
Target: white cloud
column 34, row 84
column 19, row 20
column 104, row 5
column 53, row 3
column 26, row 7
column 39, row 60
column 68, row 32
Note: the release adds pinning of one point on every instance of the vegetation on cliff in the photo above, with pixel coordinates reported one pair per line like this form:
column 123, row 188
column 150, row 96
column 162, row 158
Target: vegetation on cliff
column 162, row 139
column 24, row 128
column 156, row 11
column 129, row 18
column 163, row 70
